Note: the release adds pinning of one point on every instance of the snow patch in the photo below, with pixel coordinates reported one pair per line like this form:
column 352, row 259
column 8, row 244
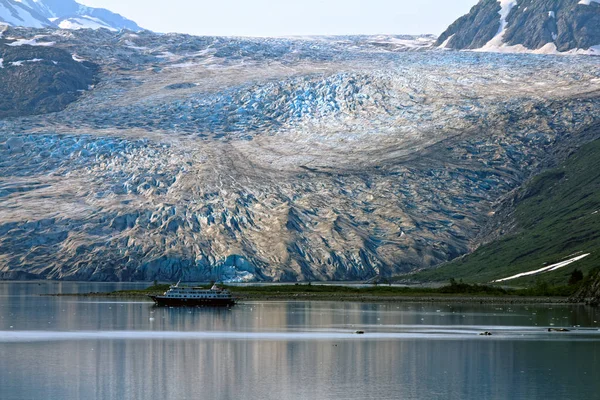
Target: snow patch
column 547, row 49
column 505, row 7
column 594, row 50
column 30, row 42
column 77, row 58
column 588, row 2
column 549, row 268
column 133, row 46
column 445, row 43
column 39, row 6
column 21, row 62
column 1, row 62
column 497, row 41
column 84, row 22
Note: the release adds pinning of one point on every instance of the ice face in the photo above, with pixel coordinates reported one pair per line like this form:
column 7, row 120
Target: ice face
column 329, row 158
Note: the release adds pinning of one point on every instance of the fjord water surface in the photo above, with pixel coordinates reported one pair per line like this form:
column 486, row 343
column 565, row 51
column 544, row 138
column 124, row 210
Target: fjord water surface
column 94, row 348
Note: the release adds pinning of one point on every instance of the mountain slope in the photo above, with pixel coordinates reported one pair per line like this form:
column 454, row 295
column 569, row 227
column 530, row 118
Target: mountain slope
column 555, row 217
column 544, row 26
column 66, row 14
column 18, row 14
column 40, row 79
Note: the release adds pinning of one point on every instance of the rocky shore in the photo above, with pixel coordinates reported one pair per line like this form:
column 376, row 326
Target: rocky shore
column 589, row 292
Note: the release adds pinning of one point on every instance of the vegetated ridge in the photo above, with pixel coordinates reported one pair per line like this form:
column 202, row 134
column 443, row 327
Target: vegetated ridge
column 554, row 217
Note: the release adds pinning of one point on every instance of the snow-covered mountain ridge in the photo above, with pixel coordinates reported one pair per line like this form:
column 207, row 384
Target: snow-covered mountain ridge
column 520, row 26
column 65, row 14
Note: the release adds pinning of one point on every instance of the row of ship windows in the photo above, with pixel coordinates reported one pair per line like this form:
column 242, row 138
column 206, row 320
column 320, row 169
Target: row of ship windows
column 206, row 297
column 195, row 294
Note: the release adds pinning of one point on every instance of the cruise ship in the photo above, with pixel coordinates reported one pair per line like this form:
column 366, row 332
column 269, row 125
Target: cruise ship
column 191, row 296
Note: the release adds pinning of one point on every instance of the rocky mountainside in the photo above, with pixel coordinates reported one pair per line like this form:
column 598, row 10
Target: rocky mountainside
column 40, row 79
column 545, row 26
column 65, row 14
column 275, row 159
column 590, row 291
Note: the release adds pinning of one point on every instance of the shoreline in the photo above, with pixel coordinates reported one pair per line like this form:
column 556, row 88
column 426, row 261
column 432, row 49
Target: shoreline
column 414, row 299
column 348, row 297
column 459, row 293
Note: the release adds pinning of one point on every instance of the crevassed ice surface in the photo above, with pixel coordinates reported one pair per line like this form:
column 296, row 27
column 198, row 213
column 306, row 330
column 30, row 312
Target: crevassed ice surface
column 242, row 159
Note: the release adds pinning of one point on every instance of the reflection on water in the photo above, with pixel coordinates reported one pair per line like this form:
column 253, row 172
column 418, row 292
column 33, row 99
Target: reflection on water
column 72, row 348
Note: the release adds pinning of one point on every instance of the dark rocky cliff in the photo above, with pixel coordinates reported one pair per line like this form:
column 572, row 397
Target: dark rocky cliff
column 589, row 292
column 39, row 79
column 475, row 29
column 530, row 23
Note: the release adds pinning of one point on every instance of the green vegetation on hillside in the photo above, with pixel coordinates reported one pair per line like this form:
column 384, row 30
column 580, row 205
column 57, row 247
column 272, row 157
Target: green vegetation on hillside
column 454, row 290
column 304, row 289
column 557, row 215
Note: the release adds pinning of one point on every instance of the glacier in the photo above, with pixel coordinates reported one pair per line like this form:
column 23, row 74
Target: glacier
column 287, row 159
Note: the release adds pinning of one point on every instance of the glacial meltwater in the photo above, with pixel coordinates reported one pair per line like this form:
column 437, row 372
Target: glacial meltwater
column 67, row 348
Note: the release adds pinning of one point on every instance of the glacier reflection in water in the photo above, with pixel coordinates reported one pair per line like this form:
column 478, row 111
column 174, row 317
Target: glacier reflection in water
column 70, row 348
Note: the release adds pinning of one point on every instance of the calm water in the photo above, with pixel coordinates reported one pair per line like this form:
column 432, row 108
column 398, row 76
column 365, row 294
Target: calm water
column 70, row 348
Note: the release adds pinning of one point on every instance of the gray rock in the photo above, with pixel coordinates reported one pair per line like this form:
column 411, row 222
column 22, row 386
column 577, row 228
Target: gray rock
column 531, row 23
column 589, row 292
column 474, row 29
column 39, row 80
